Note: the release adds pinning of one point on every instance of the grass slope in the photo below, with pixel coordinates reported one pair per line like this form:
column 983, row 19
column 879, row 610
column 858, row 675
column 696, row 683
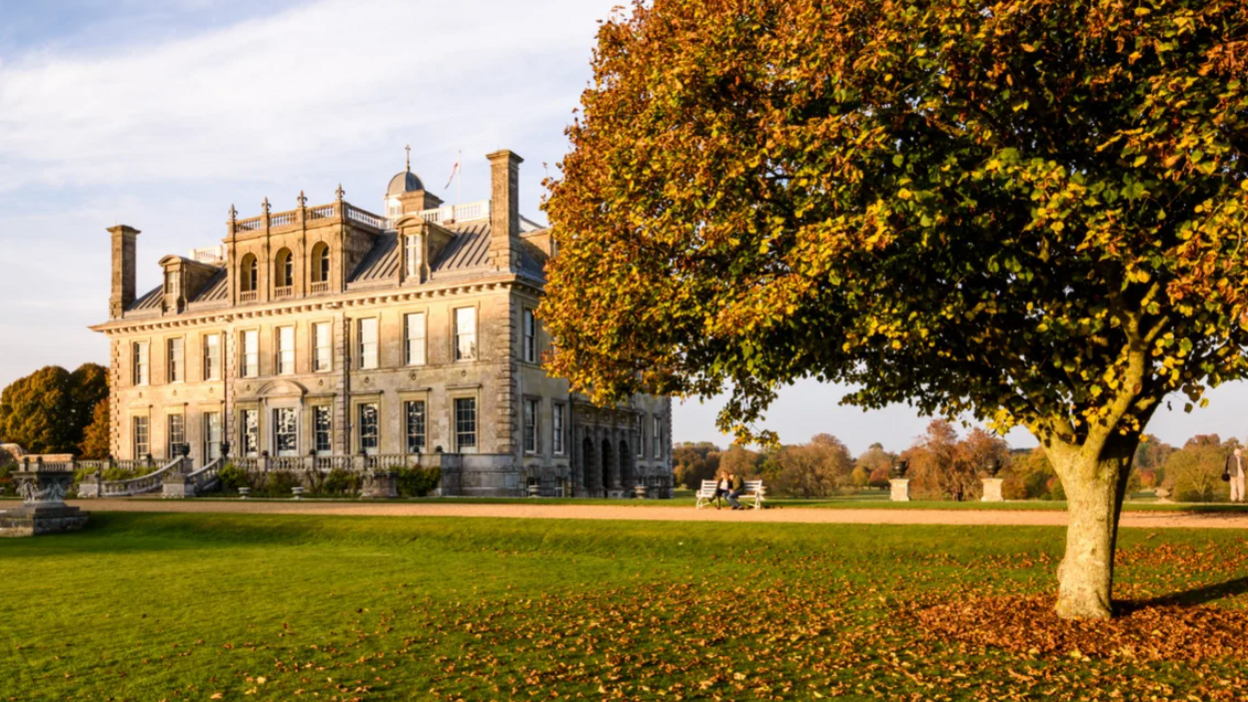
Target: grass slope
column 186, row 606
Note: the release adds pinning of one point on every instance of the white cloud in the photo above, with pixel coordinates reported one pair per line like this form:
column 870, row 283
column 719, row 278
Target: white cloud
column 271, row 94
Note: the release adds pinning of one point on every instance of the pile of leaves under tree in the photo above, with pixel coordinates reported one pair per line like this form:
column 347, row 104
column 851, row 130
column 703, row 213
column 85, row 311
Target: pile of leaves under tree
column 49, row 410
column 1029, row 212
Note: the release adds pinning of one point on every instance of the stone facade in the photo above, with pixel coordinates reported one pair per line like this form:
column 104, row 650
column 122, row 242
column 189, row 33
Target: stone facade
column 329, row 331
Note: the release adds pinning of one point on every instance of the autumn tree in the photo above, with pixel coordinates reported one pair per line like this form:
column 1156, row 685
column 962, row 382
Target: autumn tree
column 693, row 463
column 95, row 438
column 1194, row 472
column 1027, row 212
column 49, row 410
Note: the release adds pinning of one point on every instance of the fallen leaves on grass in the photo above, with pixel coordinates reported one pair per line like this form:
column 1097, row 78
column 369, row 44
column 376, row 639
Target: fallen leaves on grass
column 1145, row 632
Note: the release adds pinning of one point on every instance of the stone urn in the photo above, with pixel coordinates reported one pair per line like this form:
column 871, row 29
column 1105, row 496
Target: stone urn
column 43, row 511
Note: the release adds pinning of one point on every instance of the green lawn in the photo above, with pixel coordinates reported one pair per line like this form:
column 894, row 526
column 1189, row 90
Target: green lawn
column 188, row 606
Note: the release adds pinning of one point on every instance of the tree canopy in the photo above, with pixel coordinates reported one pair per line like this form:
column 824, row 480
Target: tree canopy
column 49, row 410
column 1027, row 212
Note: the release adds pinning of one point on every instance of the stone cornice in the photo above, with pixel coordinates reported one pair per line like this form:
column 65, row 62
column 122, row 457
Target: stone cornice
column 228, row 315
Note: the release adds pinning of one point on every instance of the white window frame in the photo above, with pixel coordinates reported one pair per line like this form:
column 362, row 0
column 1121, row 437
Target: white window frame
column 412, row 255
column 322, row 355
column 657, row 436
column 171, row 451
column 531, row 416
column 293, row 415
column 376, row 435
column 370, row 351
column 140, row 368
column 213, row 436
column 414, row 338
column 407, row 427
column 328, row 431
column 243, row 432
column 284, row 358
column 212, row 357
column 528, row 320
column 249, row 353
column 460, row 336
column 175, row 367
column 558, row 424
column 146, row 445
column 456, row 432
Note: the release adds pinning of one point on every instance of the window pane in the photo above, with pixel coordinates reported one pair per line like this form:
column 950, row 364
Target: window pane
column 285, row 350
column 176, row 358
column 530, row 337
column 212, row 357
column 557, row 428
column 212, row 436
column 251, row 354
column 368, row 428
column 321, row 419
column 530, row 426
column 285, row 432
column 139, row 375
column 416, row 427
column 415, row 324
column 368, row 343
column 321, row 351
column 465, row 423
column 141, row 448
column 413, row 256
column 465, row 334
column 249, row 421
column 177, row 436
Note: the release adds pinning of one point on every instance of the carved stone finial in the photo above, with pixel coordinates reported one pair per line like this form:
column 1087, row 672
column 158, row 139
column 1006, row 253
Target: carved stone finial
column 303, row 200
column 409, row 157
column 340, row 192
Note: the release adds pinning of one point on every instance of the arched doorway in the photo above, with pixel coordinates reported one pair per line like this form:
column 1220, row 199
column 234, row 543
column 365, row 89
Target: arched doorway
column 608, row 465
column 628, row 480
column 588, row 464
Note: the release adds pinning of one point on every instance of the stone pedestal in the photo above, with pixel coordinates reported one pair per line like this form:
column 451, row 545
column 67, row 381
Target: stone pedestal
column 380, row 485
column 992, row 490
column 900, row 490
column 43, row 509
column 177, row 486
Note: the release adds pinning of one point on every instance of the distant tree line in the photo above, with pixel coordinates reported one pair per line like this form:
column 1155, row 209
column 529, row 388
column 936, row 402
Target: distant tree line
column 55, row 411
column 944, row 465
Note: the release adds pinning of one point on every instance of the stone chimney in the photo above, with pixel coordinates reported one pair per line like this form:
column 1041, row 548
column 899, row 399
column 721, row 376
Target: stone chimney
column 123, row 269
column 505, row 209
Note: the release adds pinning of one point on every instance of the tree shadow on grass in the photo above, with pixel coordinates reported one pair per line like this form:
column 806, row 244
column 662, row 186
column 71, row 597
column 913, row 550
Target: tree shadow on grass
column 1188, row 598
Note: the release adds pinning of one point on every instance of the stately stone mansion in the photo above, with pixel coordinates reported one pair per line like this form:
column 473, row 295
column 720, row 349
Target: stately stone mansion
column 311, row 337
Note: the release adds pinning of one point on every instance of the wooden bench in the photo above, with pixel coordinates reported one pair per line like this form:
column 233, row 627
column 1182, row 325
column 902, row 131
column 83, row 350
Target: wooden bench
column 706, row 493
column 754, row 490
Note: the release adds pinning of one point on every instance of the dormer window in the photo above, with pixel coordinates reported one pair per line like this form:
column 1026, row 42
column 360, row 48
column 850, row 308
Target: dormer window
column 413, row 256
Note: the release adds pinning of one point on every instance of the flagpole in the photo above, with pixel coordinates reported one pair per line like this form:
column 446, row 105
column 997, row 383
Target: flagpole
column 459, row 178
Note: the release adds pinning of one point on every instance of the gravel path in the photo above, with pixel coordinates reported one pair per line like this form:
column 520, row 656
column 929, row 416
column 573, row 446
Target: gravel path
column 685, row 514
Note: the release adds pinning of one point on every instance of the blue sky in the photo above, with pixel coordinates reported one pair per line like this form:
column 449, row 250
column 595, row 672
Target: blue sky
column 161, row 115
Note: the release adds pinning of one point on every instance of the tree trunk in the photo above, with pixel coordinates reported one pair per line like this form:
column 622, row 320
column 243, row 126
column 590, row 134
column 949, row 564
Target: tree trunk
column 1095, row 487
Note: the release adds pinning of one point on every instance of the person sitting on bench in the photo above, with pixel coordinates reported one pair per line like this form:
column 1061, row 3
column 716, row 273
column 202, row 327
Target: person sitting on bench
column 722, row 486
column 736, row 486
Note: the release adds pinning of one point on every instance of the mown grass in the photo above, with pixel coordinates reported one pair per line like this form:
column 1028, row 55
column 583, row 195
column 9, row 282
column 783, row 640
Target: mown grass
column 191, row 606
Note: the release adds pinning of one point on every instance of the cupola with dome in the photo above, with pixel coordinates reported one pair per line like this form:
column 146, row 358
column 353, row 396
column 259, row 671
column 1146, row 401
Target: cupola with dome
column 406, row 193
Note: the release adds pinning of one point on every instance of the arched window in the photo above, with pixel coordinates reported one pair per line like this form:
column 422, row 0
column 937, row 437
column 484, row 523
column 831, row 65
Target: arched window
column 284, row 269
column 248, row 274
column 320, row 263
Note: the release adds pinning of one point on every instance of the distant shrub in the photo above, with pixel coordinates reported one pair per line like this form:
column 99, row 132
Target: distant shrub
column 339, row 482
column 417, row 481
column 231, row 478
column 278, row 483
